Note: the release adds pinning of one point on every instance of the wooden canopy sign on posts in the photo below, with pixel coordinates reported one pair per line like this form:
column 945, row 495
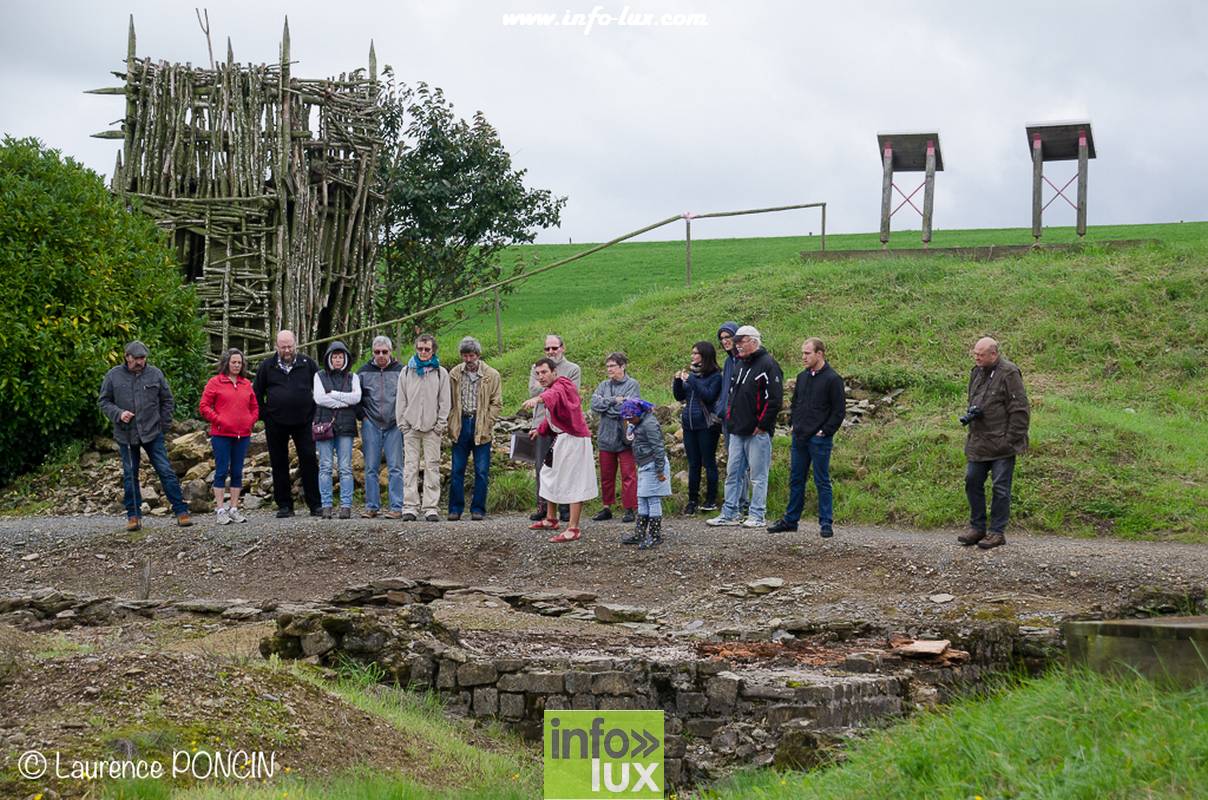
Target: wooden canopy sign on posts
column 1059, row 141
column 273, row 220
column 909, row 152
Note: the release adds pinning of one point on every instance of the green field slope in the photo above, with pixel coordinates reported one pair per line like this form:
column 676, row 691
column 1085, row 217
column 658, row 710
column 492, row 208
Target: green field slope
column 1112, row 346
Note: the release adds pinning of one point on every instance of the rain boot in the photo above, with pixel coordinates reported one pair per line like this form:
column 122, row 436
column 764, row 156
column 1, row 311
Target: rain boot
column 654, row 534
column 639, row 531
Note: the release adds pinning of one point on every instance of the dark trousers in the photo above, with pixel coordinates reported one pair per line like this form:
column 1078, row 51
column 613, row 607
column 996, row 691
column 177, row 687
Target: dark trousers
column 701, row 448
column 132, row 496
column 1000, row 471
column 277, row 437
column 544, row 443
column 806, row 454
column 463, row 448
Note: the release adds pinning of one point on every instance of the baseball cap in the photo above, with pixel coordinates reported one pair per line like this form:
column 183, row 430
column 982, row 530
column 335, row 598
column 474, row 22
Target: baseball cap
column 137, row 349
column 748, row 330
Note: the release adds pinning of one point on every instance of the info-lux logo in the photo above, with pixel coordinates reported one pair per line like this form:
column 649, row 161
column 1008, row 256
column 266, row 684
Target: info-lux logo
column 605, row 754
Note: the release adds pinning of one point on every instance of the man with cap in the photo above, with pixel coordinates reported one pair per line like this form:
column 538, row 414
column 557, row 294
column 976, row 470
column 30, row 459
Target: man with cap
column 755, row 397
column 136, row 398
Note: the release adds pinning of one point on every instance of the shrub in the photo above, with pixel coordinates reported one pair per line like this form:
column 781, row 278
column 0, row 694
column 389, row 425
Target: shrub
column 79, row 277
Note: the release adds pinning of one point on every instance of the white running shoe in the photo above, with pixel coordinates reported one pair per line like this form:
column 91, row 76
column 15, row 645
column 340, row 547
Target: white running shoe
column 755, row 522
column 224, row 516
column 236, row 516
column 723, row 521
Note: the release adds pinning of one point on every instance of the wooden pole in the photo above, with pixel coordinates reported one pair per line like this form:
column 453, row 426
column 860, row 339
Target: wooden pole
column 824, row 227
column 688, row 252
column 1083, row 154
column 928, row 193
column 1037, row 185
column 498, row 323
column 886, row 194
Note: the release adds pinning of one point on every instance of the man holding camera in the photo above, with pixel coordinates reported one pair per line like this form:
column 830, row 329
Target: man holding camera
column 997, row 423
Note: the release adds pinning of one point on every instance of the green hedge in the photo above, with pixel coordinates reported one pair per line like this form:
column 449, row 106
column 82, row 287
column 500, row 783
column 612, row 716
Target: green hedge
column 79, row 276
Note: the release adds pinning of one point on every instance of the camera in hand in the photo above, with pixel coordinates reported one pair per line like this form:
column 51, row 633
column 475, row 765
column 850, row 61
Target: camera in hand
column 971, row 414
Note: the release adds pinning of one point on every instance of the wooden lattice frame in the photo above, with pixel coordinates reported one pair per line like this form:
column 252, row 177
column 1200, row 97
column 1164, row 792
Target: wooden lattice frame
column 275, row 223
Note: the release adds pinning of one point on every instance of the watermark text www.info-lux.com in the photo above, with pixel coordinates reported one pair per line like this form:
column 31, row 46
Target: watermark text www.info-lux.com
column 601, row 17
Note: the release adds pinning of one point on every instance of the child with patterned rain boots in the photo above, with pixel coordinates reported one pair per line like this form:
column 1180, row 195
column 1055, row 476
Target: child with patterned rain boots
column 645, row 435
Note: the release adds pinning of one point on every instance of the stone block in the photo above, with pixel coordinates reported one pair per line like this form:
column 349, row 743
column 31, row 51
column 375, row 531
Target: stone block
column 556, row 702
column 722, row 692
column 780, row 714
column 690, row 703
column 673, row 770
column 486, row 702
column 613, row 683
column 511, row 706
column 703, row 728
column 542, row 682
column 317, row 643
column 764, row 692
column 584, row 701
column 578, row 682
column 446, row 674
column 509, row 664
column 471, row 674
column 423, row 670
column 673, row 746
column 614, row 703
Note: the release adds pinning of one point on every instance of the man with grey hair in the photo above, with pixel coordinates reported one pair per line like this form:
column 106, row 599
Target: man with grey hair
column 422, row 412
column 997, row 418
column 379, row 429
column 555, row 351
column 475, row 400
column 284, row 388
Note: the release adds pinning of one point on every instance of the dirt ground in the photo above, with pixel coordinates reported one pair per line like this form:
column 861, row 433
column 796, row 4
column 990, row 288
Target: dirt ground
column 866, row 572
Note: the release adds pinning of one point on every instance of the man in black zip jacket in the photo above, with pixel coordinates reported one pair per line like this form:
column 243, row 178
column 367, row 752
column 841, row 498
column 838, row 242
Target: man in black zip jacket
column 284, row 388
column 818, row 409
column 751, row 410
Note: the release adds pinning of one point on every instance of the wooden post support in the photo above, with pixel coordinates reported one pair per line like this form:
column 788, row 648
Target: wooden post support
column 688, row 253
column 1083, row 153
column 928, row 193
column 886, row 196
column 1037, row 181
column 498, row 324
column 824, row 227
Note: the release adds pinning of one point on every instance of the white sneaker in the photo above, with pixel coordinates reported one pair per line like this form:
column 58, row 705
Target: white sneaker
column 236, row 516
column 723, row 521
column 224, row 516
column 755, row 522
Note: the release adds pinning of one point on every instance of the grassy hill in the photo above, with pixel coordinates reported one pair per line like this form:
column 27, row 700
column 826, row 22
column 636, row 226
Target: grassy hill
column 1112, row 347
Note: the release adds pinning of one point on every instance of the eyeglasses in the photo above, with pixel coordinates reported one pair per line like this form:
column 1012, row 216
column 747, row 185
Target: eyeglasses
column 423, row 349
column 381, row 352
column 551, row 349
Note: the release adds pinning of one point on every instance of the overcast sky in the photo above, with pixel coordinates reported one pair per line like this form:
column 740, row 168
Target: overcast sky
column 763, row 104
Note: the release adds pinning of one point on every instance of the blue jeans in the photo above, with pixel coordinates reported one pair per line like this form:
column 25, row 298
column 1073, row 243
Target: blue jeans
column 463, row 448
column 229, row 453
column 1000, row 472
column 341, row 446
column 753, row 453
column 650, row 506
column 816, row 452
column 375, row 441
column 133, row 495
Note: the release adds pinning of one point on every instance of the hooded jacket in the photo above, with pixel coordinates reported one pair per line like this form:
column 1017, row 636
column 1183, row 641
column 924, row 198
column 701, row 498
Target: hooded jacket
column 727, row 370
column 337, row 393
column 379, row 389
column 756, row 395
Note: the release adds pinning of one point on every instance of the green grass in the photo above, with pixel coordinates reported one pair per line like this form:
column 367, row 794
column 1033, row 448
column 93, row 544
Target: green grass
column 1065, row 736
column 490, row 765
column 1113, row 347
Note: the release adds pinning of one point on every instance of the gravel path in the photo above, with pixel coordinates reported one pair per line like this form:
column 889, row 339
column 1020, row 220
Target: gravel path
column 866, row 572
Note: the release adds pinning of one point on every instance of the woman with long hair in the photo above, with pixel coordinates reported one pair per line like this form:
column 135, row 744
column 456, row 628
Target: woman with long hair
column 229, row 405
column 698, row 388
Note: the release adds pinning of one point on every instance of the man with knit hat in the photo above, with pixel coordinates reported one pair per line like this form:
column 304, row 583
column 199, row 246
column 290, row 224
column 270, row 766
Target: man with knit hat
column 136, row 399
column 754, row 401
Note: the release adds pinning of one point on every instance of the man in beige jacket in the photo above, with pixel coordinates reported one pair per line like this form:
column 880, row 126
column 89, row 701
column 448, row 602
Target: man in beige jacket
column 422, row 412
column 476, row 400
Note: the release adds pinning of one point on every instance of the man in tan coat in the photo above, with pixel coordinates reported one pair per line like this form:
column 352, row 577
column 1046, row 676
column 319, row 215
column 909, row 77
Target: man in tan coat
column 422, row 412
column 476, row 399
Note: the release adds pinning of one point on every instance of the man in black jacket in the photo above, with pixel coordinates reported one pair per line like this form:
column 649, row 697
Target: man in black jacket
column 818, row 408
column 751, row 410
column 284, row 389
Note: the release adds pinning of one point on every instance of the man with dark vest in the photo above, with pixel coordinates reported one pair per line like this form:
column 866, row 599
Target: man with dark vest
column 284, row 389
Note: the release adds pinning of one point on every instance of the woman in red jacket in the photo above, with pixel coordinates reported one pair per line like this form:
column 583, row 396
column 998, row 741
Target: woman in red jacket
column 229, row 405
